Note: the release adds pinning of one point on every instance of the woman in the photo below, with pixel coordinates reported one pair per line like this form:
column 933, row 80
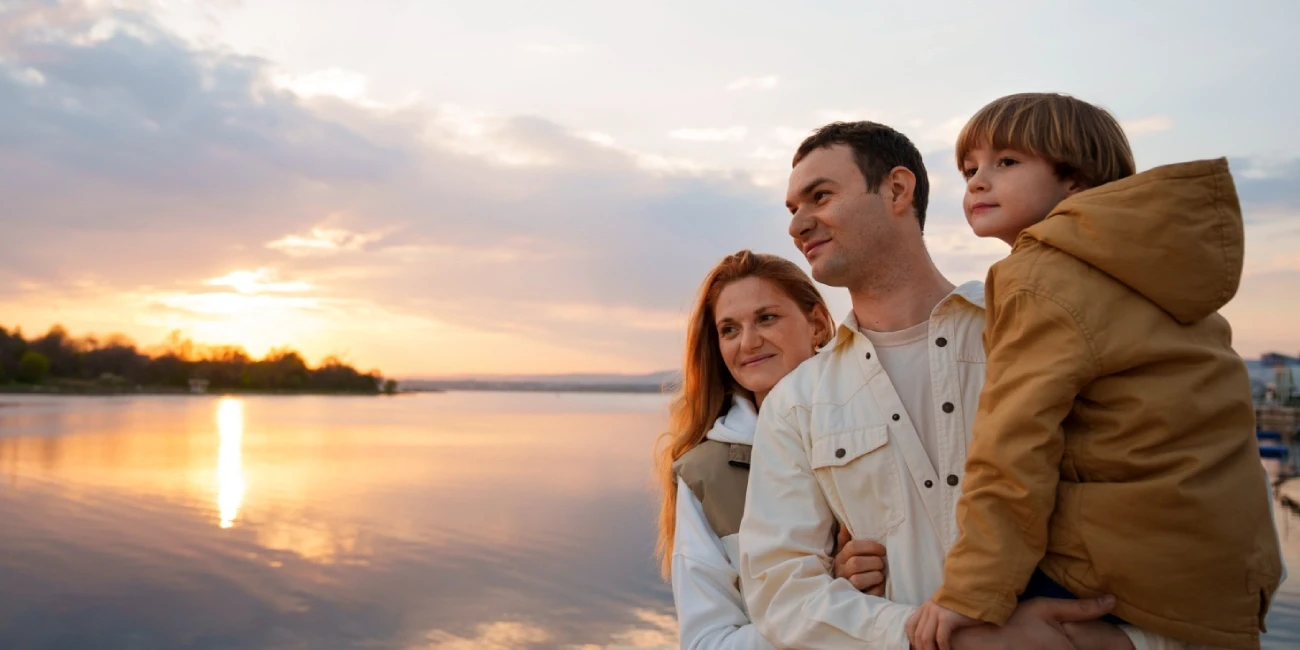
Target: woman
column 756, row 318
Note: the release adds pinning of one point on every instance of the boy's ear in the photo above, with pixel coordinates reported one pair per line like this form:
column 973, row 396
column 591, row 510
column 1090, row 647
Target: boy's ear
column 1069, row 176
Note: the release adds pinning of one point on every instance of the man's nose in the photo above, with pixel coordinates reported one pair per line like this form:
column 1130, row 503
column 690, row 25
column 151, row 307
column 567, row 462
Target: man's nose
column 801, row 225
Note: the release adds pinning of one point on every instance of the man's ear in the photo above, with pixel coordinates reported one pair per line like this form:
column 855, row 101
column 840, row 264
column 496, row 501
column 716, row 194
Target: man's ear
column 822, row 327
column 898, row 187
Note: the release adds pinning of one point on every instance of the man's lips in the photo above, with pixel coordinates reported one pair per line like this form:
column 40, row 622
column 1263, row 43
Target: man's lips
column 808, row 250
column 758, row 359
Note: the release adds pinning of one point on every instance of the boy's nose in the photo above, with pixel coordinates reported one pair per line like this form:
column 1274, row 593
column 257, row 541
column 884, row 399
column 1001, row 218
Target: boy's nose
column 977, row 182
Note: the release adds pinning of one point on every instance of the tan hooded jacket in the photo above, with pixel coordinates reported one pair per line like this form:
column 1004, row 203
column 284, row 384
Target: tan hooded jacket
column 1114, row 446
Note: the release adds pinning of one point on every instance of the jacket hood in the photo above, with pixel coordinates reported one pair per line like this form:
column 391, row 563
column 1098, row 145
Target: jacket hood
column 1173, row 234
column 737, row 425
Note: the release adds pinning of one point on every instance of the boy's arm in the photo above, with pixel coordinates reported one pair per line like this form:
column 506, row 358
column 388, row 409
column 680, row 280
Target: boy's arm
column 785, row 538
column 1039, row 358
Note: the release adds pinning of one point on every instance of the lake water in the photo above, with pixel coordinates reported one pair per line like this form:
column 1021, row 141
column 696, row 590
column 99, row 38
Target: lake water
column 454, row 521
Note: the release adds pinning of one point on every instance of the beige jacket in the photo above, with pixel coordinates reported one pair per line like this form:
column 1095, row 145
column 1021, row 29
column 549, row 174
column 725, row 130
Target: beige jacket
column 1114, row 445
column 835, row 443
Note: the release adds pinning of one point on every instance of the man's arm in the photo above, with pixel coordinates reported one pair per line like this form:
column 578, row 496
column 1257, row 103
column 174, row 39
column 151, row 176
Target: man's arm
column 785, row 538
column 1050, row 624
column 1039, row 359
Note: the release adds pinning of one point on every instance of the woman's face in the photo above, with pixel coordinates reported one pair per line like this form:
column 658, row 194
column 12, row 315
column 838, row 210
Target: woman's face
column 762, row 333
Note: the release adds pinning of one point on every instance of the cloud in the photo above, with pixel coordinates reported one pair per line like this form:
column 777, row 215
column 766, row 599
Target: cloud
column 164, row 170
column 322, row 241
column 332, row 82
column 789, row 137
column 1145, row 125
column 754, row 83
column 259, row 281
column 1267, row 186
column 499, row 635
column 725, row 134
column 555, row 49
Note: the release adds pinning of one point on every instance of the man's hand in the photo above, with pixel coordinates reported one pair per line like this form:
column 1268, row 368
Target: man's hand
column 1040, row 624
column 861, row 562
column 1097, row 635
column 932, row 624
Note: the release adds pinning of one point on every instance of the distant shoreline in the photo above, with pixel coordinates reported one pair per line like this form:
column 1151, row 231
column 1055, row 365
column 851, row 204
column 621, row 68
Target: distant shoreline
column 531, row 387
column 57, row 391
column 19, row 389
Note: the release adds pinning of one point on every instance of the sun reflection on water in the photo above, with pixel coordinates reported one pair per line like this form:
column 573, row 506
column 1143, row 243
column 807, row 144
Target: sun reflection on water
column 230, row 463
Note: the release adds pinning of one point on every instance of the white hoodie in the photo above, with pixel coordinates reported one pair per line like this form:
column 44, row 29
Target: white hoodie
column 711, row 613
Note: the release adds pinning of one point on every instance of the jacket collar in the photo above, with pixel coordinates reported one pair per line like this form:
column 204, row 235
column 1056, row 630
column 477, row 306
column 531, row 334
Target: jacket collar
column 970, row 293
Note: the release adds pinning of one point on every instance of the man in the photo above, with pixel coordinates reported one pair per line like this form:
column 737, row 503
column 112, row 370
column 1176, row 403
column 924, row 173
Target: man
column 872, row 432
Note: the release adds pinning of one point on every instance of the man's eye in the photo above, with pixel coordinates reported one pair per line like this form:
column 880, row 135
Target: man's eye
column 819, row 195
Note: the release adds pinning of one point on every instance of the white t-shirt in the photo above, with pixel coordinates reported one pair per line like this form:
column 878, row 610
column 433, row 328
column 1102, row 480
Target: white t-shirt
column 905, row 356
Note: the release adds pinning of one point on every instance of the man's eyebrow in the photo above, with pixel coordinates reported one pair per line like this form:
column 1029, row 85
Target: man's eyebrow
column 812, row 185
column 807, row 189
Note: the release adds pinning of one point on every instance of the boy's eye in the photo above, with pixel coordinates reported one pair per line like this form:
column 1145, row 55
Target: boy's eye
column 968, row 172
column 1007, row 162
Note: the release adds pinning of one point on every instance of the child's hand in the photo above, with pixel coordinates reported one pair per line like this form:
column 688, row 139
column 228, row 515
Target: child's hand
column 933, row 624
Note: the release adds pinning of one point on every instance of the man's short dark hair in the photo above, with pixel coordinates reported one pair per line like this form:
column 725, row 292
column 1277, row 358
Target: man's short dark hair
column 877, row 149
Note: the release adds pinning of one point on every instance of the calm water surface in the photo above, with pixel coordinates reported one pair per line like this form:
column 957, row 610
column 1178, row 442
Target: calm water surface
column 451, row 521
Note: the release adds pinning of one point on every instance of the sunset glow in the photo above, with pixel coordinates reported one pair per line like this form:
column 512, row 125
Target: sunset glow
column 550, row 202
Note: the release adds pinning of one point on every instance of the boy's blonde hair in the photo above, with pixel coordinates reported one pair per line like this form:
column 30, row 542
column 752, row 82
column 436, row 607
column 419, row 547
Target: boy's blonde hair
column 1082, row 141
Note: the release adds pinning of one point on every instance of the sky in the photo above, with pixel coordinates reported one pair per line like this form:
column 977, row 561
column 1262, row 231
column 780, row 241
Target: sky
column 435, row 188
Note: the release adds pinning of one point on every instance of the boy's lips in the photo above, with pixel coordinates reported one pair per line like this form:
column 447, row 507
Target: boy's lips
column 982, row 207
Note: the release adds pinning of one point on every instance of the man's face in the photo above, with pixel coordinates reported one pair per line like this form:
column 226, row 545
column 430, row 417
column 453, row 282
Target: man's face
column 835, row 222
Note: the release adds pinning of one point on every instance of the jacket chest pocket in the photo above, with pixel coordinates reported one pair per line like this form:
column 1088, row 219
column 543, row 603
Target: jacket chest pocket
column 857, row 468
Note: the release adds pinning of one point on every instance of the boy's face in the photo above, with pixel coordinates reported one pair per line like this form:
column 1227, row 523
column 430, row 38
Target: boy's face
column 1008, row 191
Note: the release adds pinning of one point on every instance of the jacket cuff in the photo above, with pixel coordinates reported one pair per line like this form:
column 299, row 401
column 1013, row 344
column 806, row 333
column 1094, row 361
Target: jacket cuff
column 993, row 609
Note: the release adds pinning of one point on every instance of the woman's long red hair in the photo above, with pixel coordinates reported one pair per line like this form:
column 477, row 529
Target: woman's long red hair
column 707, row 385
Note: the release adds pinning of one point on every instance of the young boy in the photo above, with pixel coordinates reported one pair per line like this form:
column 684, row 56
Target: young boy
column 1114, row 449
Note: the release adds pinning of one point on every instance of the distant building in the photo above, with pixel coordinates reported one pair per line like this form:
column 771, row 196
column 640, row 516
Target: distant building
column 198, row 386
column 1275, row 377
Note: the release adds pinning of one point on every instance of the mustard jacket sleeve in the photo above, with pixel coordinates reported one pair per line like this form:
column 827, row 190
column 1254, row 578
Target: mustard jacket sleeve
column 1039, row 358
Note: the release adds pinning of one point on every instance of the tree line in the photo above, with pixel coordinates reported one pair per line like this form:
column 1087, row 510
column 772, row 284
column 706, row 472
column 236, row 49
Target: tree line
column 114, row 362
